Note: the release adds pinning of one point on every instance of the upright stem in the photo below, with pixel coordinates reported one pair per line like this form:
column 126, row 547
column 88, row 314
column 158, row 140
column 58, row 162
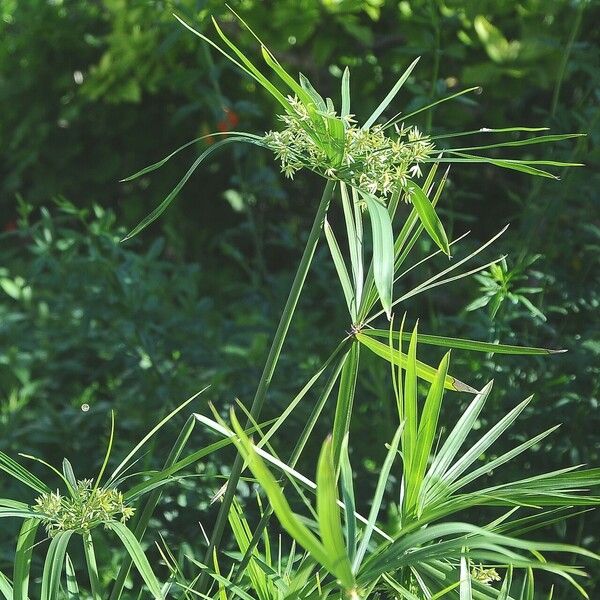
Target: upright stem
column 269, row 368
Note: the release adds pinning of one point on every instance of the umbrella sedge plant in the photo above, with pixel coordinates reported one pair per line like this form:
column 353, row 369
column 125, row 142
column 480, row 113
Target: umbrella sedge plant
column 370, row 170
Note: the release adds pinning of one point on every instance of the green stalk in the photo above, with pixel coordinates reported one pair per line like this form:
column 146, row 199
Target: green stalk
column 269, row 368
column 143, row 516
column 92, row 567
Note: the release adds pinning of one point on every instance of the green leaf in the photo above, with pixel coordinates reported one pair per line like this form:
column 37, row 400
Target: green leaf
column 340, row 267
column 431, row 222
column 377, row 499
column 277, row 500
column 345, row 400
column 345, row 93
column 426, row 434
column 352, row 218
column 328, row 513
column 72, row 585
column 383, row 251
column 53, row 565
column 14, row 469
column 541, row 139
column 138, row 557
column 456, row 438
column 22, row 564
column 404, row 117
column 160, row 163
column 348, row 498
column 391, row 95
column 5, row 588
column 465, row 590
column 409, row 435
column 160, row 209
column 424, row 371
column 463, row 344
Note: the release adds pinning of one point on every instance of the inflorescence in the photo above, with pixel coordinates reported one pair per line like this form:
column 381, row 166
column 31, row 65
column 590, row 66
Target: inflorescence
column 84, row 510
column 372, row 161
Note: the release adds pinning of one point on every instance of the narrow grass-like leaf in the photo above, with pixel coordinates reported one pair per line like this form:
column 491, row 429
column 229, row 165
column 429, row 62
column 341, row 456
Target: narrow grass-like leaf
column 138, row 557
column 149, row 435
column 345, row 93
column 506, row 584
column 383, row 250
column 465, row 589
column 426, row 433
column 403, row 117
column 542, row 139
column 20, row 473
column 489, row 130
column 53, row 565
column 463, row 344
column 355, row 242
column 377, row 499
column 456, row 438
column 72, row 585
column 347, row 484
column 277, row 500
column 431, row 222
column 411, row 417
column 6, row 589
column 424, row 371
column 345, row 400
column 92, row 566
column 340, row 267
column 391, row 95
column 328, row 513
column 163, row 161
column 108, row 449
column 160, row 209
column 22, row 563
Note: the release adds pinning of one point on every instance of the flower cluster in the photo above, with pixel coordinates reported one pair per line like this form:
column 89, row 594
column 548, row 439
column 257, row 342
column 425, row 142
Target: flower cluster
column 87, row 508
column 484, row 575
column 372, row 161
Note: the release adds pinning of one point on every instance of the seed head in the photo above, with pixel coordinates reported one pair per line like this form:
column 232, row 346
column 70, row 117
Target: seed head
column 88, row 508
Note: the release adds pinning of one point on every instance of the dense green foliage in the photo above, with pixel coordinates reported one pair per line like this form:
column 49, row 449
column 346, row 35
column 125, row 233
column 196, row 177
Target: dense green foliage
column 91, row 92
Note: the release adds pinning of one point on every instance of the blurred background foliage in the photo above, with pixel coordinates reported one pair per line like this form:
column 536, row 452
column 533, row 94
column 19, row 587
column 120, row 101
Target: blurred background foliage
column 92, row 91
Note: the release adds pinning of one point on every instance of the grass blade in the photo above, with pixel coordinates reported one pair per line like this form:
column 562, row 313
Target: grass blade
column 138, row 557
column 22, row 564
column 424, row 371
column 377, row 499
column 160, row 209
column 431, row 222
column 345, row 401
column 53, row 565
column 72, row 585
column 328, row 513
column 391, row 95
column 340, row 267
column 383, row 251
column 463, row 344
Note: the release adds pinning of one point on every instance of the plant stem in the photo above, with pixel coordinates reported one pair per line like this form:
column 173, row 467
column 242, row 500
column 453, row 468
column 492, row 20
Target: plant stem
column 92, row 567
column 269, row 368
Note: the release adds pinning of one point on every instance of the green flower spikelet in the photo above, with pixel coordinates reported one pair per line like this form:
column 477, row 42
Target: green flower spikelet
column 86, row 509
column 372, row 161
